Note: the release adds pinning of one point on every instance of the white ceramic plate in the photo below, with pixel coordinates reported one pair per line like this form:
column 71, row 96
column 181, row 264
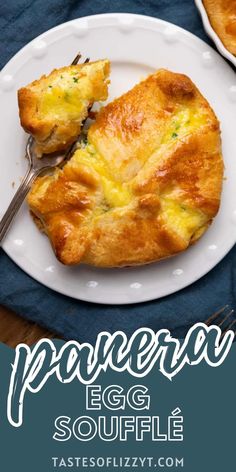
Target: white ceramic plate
column 211, row 32
column 136, row 46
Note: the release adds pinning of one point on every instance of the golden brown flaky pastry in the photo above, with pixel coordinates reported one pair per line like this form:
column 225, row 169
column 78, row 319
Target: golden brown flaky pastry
column 145, row 186
column 53, row 108
column 222, row 16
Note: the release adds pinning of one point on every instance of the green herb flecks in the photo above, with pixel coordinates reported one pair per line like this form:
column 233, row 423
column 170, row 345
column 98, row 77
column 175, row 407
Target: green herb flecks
column 84, row 141
column 174, row 135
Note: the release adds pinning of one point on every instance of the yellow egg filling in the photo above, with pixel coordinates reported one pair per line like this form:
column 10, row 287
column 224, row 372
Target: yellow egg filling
column 182, row 123
column 181, row 218
column 116, row 194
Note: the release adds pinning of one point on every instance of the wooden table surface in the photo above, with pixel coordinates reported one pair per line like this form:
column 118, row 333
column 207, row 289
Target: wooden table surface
column 15, row 330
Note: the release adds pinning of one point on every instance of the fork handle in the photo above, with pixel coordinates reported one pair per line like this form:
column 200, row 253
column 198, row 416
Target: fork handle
column 17, row 201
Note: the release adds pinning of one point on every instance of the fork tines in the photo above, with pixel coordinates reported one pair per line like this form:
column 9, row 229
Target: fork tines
column 77, row 59
column 224, row 319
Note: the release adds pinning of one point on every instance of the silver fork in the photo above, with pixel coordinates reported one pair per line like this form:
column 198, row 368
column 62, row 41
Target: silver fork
column 223, row 319
column 36, row 167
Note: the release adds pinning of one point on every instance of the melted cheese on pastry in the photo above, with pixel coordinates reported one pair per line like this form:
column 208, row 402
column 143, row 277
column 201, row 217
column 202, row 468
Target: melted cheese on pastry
column 53, row 108
column 145, row 186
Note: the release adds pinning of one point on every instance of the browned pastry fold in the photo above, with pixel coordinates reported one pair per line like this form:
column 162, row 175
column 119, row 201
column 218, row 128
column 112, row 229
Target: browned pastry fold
column 145, row 186
column 222, row 16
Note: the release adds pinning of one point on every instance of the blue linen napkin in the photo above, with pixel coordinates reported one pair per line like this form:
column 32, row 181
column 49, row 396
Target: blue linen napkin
column 20, row 22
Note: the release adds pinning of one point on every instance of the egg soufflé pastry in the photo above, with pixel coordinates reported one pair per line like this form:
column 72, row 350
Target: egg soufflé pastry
column 145, row 185
column 53, row 108
column 222, row 16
